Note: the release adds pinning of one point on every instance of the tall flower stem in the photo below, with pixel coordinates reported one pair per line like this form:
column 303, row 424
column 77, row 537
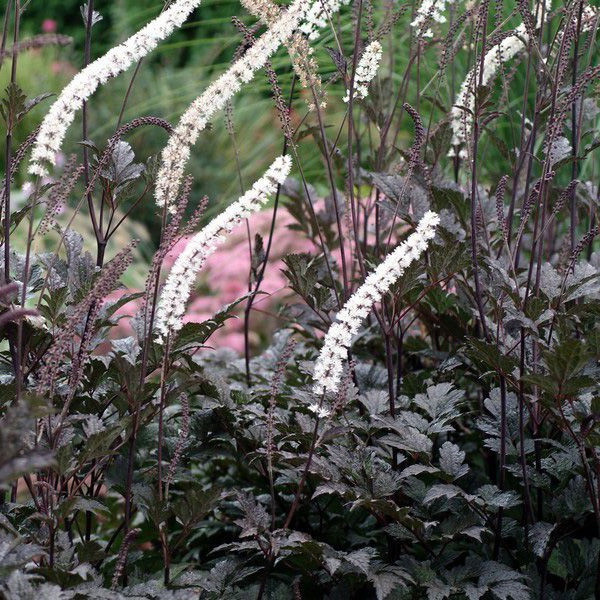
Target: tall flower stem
column 302, row 482
column 7, row 12
column 295, row 502
column 84, row 130
column 14, row 348
column 574, row 129
column 263, row 268
column 8, row 145
column 336, row 206
column 163, row 531
column 474, row 202
column 135, row 409
column 353, row 207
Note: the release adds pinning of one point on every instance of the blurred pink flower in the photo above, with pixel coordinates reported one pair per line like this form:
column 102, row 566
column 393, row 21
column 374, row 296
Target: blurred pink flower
column 49, row 25
column 62, row 67
column 225, row 279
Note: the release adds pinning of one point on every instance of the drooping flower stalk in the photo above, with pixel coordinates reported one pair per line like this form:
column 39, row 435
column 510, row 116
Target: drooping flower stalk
column 178, row 287
column 461, row 119
column 428, row 11
column 330, row 362
column 84, row 84
column 196, row 117
column 366, row 69
column 503, row 51
column 301, row 53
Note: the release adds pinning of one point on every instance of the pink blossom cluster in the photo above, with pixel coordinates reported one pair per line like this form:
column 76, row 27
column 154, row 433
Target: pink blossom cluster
column 225, row 279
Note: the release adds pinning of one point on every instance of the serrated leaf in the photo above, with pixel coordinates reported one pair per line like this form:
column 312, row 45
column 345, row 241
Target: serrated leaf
column 539, row 537
column 192, row 335
column 98, row 444
column 361, row 559
column 442, row 491
column 128, row 348
column 387, row 579
column 452, row 459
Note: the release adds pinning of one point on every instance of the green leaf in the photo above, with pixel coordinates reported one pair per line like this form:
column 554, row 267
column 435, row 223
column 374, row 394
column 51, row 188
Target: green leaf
column 195, row 505
column 193, row 335
column 565, row 361
column 490, row 355
column 113, row 307
column 450, row 198
column 32, row 103
column 69, row 506
column 12, row 104
column 539, row 537
column 99, row 444
column 442, row 490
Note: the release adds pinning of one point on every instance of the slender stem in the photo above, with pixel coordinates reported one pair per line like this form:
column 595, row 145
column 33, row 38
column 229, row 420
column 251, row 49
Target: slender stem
column 333, row 193
column 128, row 93
column 353, row 207
column 84, row 127
column 502, row 466
column 263, row 268
column 5, row 31
column 15, row 351
column 574, row 130
column 474, row 250
column 296, row 500
column 9, row 135
column 161, row 411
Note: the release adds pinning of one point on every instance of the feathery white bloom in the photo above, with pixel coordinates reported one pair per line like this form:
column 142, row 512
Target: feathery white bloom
column 429, row 10
column 318, row 16
column 366, row 69
column 84, row 84
column 177, row 151
column 178, row 287
column 461, row 120
column 319, row 411
column 330, row 362
column 508, row 48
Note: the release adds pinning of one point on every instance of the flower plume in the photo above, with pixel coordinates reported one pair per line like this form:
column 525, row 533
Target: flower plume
column 329, row 365
column 428, row 11
column 84, row 84
column 366, row 69
column 178, row 287
column 196, row 117
column 461, row 120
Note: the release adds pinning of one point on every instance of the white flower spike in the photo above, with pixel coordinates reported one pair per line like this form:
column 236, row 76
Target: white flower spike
column 366, row 69
column 318, row 16
column 429, row 10
column 118, row 59
column 178, row 287
column 330, row 362
column 196, row 117
column 461, row 120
